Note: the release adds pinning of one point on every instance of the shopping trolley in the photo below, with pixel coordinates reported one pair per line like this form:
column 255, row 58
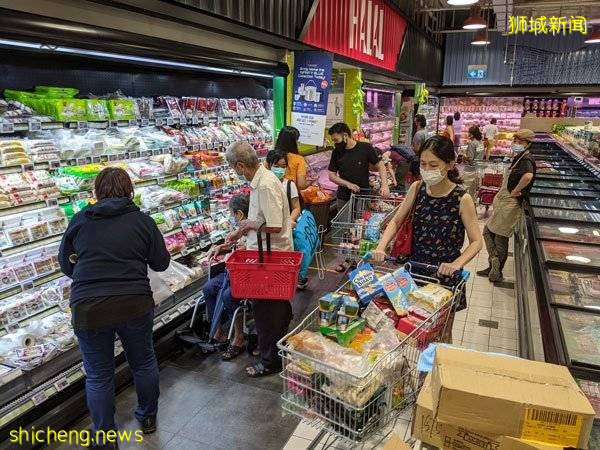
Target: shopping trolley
column 361, row 409
column 491, row 181
column 351, row 231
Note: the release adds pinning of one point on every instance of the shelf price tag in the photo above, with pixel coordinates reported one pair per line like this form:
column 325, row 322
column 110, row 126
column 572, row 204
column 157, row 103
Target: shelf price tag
column 170, row 121
column 80, row 161
column 27, row 167
column 160, row 180
column 194, row 120
column 35, row 125
column 96, row 159
column 39, row 398
column 144, row 122
column 112, row 157
column 51, row 202
column 132, row 122
column 54, row 164
column 159, row 122
column 113, row 123
column 7, row 127
column 82, row 125
column 12, row 327
column 61, row 384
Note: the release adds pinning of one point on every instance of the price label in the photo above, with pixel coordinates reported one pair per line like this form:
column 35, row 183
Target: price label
column 82, row 125
column 112, row 157
column 132, row 123
column 159, row 122
column 180, row 176
column 83, row 195
column 39, row 398
column 7, row 127
column 96, row 159
column 61, row 384
column 12, row 327
column 27, row 167
column 80, row 161
column 113, row 123
column 160, row 180
column 182, row 148
column 156, row 326
column 35, row 125
column 210, row 145
column 63, row 303
column 145, row 122
column 157, row 152
column 194, row 120
column 169, row 150
column 166, row 320
column 51, row 202
column 133, row 155
column 182, row 309
column 195, row 147
column 122, row 155
column 185, row 251
column 170, row 121
column 54, row 164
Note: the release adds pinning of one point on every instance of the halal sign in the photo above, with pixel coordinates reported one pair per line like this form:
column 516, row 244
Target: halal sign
column 366, row 28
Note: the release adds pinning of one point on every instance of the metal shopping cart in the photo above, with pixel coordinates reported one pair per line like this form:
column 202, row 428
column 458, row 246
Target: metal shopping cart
column 361, row 409
column 491, row 176
column 358, row 225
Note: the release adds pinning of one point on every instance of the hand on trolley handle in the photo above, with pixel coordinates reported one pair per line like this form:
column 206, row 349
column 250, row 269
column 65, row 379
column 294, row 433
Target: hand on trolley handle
column 444, row 269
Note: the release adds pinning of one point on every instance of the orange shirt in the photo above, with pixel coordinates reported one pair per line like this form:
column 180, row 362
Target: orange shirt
column 296, row 166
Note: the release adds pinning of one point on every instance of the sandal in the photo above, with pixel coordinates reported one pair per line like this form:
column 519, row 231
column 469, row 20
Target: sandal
column 259, row 370
column 232, row 351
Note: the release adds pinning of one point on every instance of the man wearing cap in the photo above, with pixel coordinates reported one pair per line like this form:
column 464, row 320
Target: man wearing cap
column 507, row 205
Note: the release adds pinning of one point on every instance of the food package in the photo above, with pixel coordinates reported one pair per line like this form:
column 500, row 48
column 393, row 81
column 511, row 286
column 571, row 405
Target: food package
column 365, row 283
column 373, row 228
column 121, row 109
column 431, row 297
column 376, row 318
column 399, row 300
column 96, row 110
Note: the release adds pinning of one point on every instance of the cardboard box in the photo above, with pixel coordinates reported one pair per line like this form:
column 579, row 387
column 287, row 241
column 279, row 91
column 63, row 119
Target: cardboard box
column 395, row 443
column 510, row 443
column 508, row 396
column 442, row 435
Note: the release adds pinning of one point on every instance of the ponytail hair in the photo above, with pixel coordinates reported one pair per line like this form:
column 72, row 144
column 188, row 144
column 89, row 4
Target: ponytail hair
column 443, row 148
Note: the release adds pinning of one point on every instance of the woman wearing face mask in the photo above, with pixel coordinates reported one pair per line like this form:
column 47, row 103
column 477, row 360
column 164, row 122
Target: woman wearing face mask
column 238, row 208
column 277, row 162
column 442, row 213
column 507, row 208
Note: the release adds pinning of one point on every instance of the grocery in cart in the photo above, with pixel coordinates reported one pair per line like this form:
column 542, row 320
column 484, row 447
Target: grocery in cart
column 357, row 227
column 350, row 367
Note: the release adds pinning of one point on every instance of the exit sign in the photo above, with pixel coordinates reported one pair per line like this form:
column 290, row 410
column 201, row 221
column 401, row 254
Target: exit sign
column 477, row 71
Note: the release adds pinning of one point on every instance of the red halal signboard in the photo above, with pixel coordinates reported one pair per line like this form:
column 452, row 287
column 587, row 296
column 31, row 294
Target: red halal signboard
column 365, row 30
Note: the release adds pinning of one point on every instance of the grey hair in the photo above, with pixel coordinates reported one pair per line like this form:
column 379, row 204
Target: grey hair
column 241, row 152
column 240, row 202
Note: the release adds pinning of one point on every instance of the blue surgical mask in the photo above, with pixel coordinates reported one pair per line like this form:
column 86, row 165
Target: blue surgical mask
column 517, row 148
column 278, row 171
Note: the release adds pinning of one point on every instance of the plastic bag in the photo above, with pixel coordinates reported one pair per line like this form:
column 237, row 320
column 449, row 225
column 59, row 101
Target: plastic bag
column 160, row 288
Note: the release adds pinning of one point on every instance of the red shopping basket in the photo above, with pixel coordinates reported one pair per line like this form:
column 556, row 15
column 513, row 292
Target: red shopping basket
column 257, row 275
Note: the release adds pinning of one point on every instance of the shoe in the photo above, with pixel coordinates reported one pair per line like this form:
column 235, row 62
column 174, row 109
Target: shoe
column 101, row 445
column 494, row 274
column 148, row 425
column 484, row 272
column 302, row 283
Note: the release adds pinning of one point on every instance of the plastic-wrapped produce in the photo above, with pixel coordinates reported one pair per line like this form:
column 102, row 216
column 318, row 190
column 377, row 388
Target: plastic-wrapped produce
column 149, row 197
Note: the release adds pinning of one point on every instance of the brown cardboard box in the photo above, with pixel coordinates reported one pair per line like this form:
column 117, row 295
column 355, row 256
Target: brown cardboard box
column 507, row 396
column 510, row 443
column 442, row 435
column 395, row 443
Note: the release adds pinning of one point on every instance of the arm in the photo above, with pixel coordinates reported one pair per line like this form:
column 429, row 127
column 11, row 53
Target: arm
column 523, row 182
column 301, row 180
column 385, row 189
column 395, row 222
column 65, row 250
column 468, row 215
column 158, row 255
column 335, row 178
column 296, row 211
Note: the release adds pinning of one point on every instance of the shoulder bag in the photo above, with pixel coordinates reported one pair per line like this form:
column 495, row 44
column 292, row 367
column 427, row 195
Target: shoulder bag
column 403, row 243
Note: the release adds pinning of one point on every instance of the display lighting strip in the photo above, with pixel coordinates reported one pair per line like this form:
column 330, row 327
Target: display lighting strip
column 124, row 57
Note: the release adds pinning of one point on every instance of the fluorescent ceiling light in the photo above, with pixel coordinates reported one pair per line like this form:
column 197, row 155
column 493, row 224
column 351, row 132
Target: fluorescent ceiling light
column 462, row 2
column 579, row 259
column 124, row 57
column 481, row 38
column 568, row 230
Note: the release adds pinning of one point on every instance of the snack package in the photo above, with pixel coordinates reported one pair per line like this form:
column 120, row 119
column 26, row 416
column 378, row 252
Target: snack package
column 404, row 280
column 399, row 300
column 365, row 283
column 431, row 296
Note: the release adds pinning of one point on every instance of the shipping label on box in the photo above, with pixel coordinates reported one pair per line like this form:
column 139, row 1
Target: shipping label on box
column 506, row 396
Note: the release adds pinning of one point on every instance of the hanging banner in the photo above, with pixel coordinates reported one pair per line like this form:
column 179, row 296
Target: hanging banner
column 369, row 31
column 312, row 78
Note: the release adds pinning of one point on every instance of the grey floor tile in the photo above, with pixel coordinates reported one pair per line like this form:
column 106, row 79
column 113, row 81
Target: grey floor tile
column 182, row 443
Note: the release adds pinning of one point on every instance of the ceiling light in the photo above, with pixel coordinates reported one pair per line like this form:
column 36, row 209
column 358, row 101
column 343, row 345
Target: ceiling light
column 593, row 37
column 475, row 21
column 568, row 230
column 579, row 259
column 481, row 38
column 461, row 2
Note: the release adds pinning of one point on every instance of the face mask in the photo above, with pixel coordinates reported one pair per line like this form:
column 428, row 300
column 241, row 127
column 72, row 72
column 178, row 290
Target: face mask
column 278, row 171
column 432, row 177
column 517, row 148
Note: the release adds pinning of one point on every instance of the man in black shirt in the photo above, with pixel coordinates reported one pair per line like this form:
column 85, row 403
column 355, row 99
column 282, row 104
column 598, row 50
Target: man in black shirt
column 507, row 206
column 349, row 167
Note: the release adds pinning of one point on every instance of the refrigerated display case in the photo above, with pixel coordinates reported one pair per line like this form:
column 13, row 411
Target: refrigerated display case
column 379, row 118
column 557, row 249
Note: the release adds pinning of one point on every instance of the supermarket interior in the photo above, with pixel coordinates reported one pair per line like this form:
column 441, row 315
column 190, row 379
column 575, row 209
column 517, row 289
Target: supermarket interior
column 436, row 235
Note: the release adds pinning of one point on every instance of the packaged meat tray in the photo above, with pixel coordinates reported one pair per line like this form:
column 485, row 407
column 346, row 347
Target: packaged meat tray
column 581, row 332
column 574, row 289
column 570, row 215
column 571, row 253
column 565, row 203
column 584, row 234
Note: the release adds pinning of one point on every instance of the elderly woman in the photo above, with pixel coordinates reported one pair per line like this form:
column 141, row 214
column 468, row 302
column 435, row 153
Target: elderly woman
column 268, row 207
column 507, row 206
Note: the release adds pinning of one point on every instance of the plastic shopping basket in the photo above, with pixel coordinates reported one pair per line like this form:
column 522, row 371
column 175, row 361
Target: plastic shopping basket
column 264, row 275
